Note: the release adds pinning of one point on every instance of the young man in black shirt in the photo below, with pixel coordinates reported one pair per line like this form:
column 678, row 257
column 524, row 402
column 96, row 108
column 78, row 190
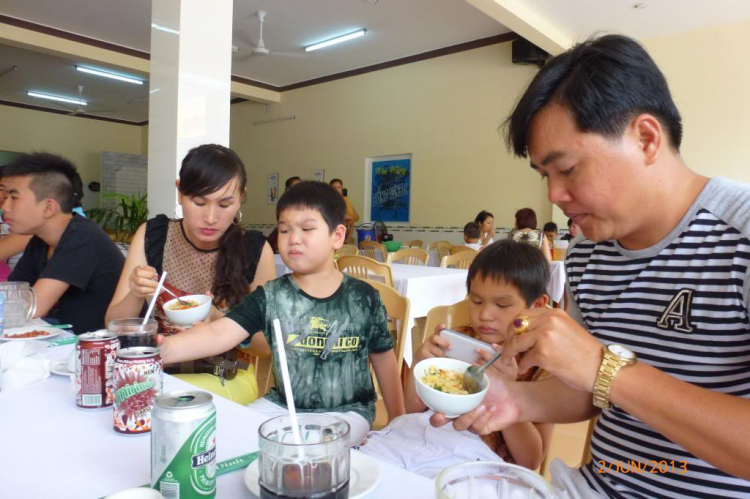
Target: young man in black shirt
column 71, row 263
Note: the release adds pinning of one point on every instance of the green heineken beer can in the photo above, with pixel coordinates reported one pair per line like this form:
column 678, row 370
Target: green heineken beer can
column 183, row 445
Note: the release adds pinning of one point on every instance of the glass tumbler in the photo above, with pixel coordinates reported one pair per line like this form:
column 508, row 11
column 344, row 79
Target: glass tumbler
column 132, row 333
column 490, row 480
column 317, row 468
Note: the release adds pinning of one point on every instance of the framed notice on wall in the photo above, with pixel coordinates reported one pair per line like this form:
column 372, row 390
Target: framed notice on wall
column 319, row 175
column 388, row 188
column 273, row 188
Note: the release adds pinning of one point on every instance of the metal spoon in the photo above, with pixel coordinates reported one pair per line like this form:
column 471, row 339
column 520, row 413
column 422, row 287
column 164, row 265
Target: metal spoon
column 164, row 288
column 474, row 376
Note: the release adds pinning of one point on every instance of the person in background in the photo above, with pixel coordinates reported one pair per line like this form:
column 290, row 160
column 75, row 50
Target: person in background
column 206, row 251
column 486, row 222
column 339, row 323
column 273, row 237
column 352, row 217
column 70, row 261
column 573, row 231
column 550, row 230
column 525, row 231
column 11, row 245
column 471, row 236
column 77, row 195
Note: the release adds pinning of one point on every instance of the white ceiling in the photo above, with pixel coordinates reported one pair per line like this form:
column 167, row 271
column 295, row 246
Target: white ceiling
column 396, row 29
column 578, row 19
column 57, row 76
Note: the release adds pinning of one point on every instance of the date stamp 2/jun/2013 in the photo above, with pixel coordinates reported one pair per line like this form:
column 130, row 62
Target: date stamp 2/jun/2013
column 639, row 467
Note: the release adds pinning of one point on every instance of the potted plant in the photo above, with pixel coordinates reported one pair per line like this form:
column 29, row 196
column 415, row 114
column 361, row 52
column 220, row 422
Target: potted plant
column 123, row 219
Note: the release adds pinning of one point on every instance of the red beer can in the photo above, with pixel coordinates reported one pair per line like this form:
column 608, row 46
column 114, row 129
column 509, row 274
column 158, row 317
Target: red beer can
column 94, row 368
column 137, row 382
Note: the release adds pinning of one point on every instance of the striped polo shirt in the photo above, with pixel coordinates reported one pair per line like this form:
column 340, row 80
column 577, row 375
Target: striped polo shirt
column 682, row 307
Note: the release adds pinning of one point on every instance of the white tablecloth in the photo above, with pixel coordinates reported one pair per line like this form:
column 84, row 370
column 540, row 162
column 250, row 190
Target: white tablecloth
column 426, row 288
column 55, row 450
column 556, row 285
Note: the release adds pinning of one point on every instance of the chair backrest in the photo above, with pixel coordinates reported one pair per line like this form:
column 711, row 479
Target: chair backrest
column 348, row 249
column 461, row 260
column 586, row 457
column 263, row 374
column 442, row 247
column 415, row 243
column 397, row 308
column 409, row 256
column 371, row 249
column 363, row 268
column 458, row 249
column 452, row 316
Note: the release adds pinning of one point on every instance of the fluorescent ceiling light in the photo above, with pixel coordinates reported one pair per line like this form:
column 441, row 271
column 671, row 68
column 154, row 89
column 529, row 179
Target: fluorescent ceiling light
column 165, row 29
column 68, row 100
column 109, row 75
column 334, row 41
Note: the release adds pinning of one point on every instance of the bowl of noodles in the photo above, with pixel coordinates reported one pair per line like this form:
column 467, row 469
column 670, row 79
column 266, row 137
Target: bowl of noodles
column 196, row 308
column 439, row 384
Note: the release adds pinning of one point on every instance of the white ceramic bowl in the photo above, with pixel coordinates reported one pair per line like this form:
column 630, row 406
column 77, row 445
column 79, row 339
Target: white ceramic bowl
column 191, row 315
column 451, row 405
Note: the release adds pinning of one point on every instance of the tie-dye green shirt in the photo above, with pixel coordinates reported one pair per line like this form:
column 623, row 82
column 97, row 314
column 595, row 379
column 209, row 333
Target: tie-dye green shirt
column 328, row 341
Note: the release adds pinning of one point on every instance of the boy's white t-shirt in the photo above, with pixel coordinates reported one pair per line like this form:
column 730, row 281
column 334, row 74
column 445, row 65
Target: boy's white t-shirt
column 410, row 442
column 474, row 246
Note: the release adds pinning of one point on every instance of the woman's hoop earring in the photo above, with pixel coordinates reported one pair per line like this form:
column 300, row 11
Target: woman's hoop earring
column 239, row 219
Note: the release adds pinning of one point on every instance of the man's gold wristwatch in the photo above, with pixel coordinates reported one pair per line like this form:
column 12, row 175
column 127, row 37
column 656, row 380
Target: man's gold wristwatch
column 615, row 357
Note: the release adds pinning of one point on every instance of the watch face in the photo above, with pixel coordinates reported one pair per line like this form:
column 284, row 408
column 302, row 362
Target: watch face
column 621, row 351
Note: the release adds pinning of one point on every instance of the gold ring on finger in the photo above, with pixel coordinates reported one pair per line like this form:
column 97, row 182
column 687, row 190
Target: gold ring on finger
column 521, row 324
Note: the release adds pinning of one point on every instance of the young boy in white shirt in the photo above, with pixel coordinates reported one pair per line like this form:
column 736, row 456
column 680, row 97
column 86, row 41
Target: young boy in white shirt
column 472, row 235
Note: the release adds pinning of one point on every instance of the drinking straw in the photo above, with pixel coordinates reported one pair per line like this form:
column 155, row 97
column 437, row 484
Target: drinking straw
column 287, row 382
column 153, row 300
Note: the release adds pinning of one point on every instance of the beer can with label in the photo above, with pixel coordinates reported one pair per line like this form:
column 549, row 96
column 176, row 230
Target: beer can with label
column 95, row 365
column 137, row 383
column 183, row 445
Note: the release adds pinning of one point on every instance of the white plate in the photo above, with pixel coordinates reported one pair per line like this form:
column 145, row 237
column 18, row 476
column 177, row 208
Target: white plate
column 8, row 333
column 364, row 475
column 60, row 367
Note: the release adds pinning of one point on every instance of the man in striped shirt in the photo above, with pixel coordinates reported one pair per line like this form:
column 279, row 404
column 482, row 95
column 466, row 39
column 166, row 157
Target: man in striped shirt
column 660, row 275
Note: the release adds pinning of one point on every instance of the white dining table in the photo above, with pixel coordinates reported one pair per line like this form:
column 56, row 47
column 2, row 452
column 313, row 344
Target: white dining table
column 55, row 450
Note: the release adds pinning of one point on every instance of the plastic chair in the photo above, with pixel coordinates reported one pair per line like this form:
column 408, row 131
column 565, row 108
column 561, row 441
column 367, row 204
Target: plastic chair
column 371, row 249
column 348, row 249
column 442, row 247
column 409, row 256
column 363, row 268
column 397, row 309
column 461, row 260
column 586, row 457
column 415, row 243
column 458, row 249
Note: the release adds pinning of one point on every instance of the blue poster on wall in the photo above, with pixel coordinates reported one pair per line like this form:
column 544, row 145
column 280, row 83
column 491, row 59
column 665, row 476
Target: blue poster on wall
column 391, row 188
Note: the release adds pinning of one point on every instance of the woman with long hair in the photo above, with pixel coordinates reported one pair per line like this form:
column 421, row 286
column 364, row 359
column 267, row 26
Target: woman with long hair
column 206, row 251
column 486, row 222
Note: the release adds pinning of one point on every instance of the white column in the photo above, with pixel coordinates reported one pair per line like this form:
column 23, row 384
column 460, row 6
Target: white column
column 191, row 63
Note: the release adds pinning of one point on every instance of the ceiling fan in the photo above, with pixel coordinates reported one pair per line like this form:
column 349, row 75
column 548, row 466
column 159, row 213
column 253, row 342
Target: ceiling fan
column 79, row 109
column 259, row 48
